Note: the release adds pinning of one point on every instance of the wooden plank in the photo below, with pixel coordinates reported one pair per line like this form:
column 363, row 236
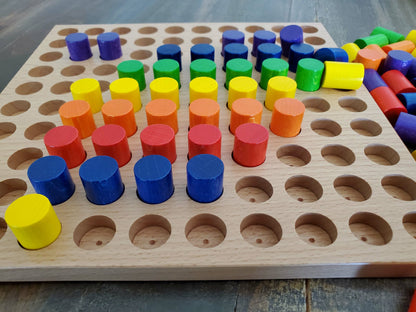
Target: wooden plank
column 323, row 208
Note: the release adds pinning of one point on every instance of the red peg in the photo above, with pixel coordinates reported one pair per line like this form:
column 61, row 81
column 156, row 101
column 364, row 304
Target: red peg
column 398, row 82
column 159, row 139
column 204, row 139
column 64, row 141
column 111, row 140
column 250, row 144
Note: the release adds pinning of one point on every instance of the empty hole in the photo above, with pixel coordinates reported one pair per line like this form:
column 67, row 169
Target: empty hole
column 141, row 54
column 106, row 69
column 40, row 71
column 6, row 129
column 303, row 188
column 227, row 27
column 382, row 154
column 309, row 29
column 370, row 228
column 253, row 28
column 254, row 189
column 147, row 30
column 201, row 29
column 60, row 43
column 104, row 85
column 29, row 88
column 3, row 227
column 94, row 31
column 94, row 232
column 366, row 127
column 61, row 87
column 143, row 42
column 277, row 29
column 23, row 158
column 338, row 155
column 250, row 40
column 121, row 30
column 67, row 31
column 73, row 70
column 38, row 130
column 409, row 223
column 316, row 104
column 50, row 56
column 352, row 104
column 326, row 127
column 173, row 40
column 149, row 232
column 293, row 155
column 146, row 68
column 205, row 231
column 50, row 107
column 123, row 41
column 316, row 229
column 174, row 30
column 15, row 108
column 352, row 188
column 261, row 230
column 315, row 40
column 199, row 40
column 400, row 187
column 11, row 189
column 93, row 42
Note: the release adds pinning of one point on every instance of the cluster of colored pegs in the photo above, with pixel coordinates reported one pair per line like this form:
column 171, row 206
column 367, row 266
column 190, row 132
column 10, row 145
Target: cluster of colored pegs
column 389, row 59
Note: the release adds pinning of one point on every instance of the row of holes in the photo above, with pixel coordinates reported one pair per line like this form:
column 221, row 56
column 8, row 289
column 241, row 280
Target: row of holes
column 178, row 29
column 260, row 230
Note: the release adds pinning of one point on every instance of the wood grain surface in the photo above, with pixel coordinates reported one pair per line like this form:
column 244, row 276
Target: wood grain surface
column 23, row 24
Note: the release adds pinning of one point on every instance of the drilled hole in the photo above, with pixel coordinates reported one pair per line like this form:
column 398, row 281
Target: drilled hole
column 6, row 129
column 316, row 229
column 144, row 42
column 366, row 127
column 106, row 69
column 50, row 107
column 316, row 104
column 15, row 108
column 352, row 188
column 315, row 40
column 23, row 158
column 94, row 232
column 199, row 40
column 370, row 228
column 173, row 40
column 121, row 30
column 352, row 104
column 150, row 231
column 261, row 230
column 227, row 27
column 61, row 87
column 293, row 155
column 254, row 189
column 67, row 31
column 11, row 189
column 50, row 56
column 73, row 70
column 409, row 223
column 40, row 71
column 38, row 130
column 277, row 29
column 338, row 155
column 303, row 188
column 326, row 127
column 382, row 154
column 29, row 88
column 141, row 54
column 147, row 30
column 205, row 231
column 94, row 31
column 60, row 43
column 253, row 28
column 399, row 187
column 174, row 30
column 201, row 29
column 309, row 29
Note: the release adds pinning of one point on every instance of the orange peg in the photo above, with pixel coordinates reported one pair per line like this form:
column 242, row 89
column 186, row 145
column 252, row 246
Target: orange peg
column 377, row 48
column 120, row 112
column 405, row 45
column 204, row 111
column 162, row 111
column 287, row 117
column 245, row 110
column 371, row 59
column 77, row 113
